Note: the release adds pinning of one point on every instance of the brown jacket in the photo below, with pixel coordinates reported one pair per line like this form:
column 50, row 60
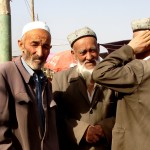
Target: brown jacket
column 131, row 78
column 19, row 127
column 70, row 93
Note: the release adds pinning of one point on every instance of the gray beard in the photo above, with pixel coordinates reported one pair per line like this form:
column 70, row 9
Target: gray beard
column 86, row 73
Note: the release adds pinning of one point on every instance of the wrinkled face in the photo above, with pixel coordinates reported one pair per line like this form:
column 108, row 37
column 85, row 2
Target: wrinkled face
column 86, row 51
column 35, row 46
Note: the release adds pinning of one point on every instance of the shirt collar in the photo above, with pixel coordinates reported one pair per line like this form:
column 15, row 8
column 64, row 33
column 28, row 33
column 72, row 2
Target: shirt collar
column 29, row 70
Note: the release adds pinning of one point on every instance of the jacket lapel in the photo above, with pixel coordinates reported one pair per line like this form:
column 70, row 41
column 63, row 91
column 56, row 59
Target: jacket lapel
column 75, row 77
column 83, row 89
column 19, row 87
column 98, row 95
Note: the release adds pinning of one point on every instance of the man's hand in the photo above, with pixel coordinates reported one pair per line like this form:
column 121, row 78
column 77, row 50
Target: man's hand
column 94, row 133
column 140, row 42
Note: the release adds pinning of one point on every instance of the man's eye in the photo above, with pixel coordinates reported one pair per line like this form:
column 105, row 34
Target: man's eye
column 83, row 52
column 34, row 44
column 46, row 46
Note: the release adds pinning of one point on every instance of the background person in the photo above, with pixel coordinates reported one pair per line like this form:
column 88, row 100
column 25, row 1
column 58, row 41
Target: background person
column 131, row 78
column 27, row 111
column 87, row 107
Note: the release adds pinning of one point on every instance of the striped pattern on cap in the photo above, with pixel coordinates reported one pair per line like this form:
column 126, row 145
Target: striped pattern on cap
column 86, row 31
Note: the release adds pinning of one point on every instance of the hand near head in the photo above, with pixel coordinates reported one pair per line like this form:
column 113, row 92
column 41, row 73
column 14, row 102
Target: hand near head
column 94, row 133
column 140, row 42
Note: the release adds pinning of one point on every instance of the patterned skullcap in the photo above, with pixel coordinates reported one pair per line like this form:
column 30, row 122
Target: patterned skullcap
column 83, row 32
column 35, row 25
column 140, row 24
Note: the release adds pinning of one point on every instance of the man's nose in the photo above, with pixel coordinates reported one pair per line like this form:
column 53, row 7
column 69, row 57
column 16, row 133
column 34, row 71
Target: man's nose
column 40, row 51
column 88, row 56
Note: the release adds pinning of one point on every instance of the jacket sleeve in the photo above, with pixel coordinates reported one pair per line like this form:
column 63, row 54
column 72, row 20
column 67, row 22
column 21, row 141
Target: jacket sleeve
column 119, row 71
column 6, row 108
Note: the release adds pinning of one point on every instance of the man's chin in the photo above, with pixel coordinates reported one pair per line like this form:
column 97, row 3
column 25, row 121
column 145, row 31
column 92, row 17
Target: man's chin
column 36, row 66
column 89, row 68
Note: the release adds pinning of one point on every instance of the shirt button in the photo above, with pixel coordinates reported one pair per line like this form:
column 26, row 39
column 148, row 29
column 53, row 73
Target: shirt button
column 91, row 111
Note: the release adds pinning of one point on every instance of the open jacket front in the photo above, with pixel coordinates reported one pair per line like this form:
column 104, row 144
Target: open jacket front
column 70, row 93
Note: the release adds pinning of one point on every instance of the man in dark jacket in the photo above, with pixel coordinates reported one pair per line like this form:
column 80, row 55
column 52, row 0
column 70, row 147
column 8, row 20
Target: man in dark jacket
column 27, row 111
column 87, row 108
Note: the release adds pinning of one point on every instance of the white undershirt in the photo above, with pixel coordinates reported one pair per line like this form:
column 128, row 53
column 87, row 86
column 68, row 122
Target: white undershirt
column 90, row 96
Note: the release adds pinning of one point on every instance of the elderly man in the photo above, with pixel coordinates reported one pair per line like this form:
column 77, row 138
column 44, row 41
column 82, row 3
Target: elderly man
column 27, row 111
column 120, row 71
column 86, row 108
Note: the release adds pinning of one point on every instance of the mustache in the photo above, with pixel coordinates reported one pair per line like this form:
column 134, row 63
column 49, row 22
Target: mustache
column 81, row 66
column 36, row 57
column 96, row 61
column 89, row 61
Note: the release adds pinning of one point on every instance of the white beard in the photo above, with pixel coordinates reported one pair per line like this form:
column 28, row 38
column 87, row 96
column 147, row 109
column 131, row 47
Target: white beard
column 86, row 73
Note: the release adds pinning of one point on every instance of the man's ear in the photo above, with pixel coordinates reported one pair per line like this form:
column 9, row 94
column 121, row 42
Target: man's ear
column 98, row 45
column 72, row 51
column 21, row 45
column 73, row 54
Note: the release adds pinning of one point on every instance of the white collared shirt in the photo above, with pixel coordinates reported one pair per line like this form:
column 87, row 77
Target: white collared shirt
column 90, row 96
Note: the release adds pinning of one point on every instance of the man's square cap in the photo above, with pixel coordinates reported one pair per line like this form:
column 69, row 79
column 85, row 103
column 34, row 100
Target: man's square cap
column 82, row 32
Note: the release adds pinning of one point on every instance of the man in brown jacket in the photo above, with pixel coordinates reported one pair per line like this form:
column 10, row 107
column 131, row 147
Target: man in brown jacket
column 120, row 71
column 27, row 111
column 87, row 108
